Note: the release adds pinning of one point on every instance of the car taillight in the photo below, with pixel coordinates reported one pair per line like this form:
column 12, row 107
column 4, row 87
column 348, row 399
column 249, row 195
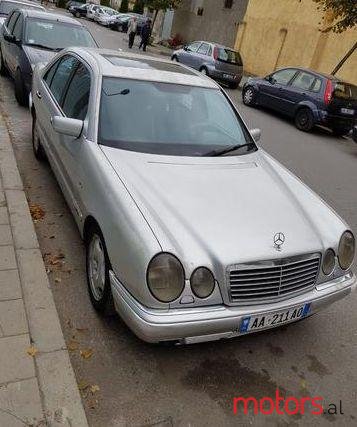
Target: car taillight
column 215, row 52
column 328, row 92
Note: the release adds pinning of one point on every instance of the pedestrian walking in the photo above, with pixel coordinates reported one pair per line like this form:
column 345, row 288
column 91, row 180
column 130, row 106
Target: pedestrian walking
column 132, row 29
column 145, row 34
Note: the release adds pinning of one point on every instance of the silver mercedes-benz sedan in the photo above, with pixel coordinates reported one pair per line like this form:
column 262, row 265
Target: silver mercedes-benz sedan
column 192, row 232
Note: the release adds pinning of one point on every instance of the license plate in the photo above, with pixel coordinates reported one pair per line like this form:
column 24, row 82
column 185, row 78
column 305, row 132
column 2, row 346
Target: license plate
column 269, row 320
column 347, row 111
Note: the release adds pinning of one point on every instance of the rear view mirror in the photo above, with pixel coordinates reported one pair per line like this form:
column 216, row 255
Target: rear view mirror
column 67, row 126
column 256, row 134
column 9, row 37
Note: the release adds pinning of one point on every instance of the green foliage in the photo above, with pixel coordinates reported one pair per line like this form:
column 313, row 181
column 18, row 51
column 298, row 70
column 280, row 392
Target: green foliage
column 124, row 6
column 162, row 4
column 105, row 3
column 138, row 6
column 62, row 3
column 344, row 13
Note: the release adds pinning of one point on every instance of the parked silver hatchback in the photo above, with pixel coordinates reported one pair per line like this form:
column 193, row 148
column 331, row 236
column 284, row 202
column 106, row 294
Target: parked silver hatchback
column 219, row 62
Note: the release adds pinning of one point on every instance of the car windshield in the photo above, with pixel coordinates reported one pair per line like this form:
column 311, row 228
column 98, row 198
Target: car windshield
column 57, row 35
column 6, row 7
column 171, row 119
column 229, row 56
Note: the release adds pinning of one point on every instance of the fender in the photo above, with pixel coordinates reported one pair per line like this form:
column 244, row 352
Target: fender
column 311, row 106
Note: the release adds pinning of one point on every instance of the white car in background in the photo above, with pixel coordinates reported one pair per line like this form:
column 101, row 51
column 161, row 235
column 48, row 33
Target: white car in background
column 92, row 10
column 104, row 15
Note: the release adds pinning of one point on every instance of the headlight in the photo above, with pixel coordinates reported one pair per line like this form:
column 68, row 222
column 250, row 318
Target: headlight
column 165, row 277
column 328, row 262
column 202, row 282
column 346, row 250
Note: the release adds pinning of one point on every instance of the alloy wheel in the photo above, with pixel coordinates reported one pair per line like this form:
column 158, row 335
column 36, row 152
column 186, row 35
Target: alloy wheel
column 96, row 267
column 248, row 96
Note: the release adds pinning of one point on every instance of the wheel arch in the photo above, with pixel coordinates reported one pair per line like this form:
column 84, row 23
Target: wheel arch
column 310, row 105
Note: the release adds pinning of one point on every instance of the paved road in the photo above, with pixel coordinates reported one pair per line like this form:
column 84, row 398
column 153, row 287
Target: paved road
column 142, row 384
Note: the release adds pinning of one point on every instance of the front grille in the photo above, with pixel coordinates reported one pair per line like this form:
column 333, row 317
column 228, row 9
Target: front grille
column 273, row 279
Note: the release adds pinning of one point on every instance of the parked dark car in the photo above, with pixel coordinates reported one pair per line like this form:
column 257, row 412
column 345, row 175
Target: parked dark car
column 354, row 133
column 121, row 23
column 74, row 3
column 219, row 62
column 29, row 37
column 79, row 11
column 7, row 6
column 309, row 97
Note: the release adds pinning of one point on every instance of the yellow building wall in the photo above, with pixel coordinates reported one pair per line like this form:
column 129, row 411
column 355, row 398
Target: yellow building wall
column 279, row 33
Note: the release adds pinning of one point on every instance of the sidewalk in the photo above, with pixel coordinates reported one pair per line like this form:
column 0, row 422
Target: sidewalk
column 37, row 382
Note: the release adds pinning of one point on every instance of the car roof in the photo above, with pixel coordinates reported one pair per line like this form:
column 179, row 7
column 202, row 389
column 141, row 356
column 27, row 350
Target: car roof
column 317, row 74
column 33, row 13
column 112, row 63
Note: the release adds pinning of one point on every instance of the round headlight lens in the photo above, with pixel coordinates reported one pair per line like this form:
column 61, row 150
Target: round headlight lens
column 202, row 282
column 328, row 262
column 346, row 250
column 165, row 277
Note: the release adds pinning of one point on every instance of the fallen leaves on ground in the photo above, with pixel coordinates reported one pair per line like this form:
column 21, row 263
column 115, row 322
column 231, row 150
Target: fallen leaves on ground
column 36, row 211
column 32, row 351
column 58, row 280
column 72, row 345
column 87, row 353
column 83, row 385
column 55, row 260
column 82, row 329
column 94, row 388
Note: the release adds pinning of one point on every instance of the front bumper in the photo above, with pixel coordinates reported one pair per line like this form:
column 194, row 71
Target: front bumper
column 190, row 325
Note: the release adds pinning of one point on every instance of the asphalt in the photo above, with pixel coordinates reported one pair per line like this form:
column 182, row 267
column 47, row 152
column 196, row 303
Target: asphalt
column 141, row 384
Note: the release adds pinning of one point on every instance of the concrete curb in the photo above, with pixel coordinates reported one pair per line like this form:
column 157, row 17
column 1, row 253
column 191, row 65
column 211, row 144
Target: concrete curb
column 60, row 396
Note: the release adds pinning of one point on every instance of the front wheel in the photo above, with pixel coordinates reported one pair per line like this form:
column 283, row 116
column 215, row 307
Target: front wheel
column 175, row 58
column 304, row 119
column 21, row 94
column 249, row 96
column 97, row 268
column 78, row 15
column 233, row 85
column 3, row 70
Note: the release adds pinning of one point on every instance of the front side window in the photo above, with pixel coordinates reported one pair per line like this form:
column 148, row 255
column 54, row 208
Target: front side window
column 61, row 75
column 56, row 35
column 283, row 77
column 169, row 119
column 75, row 104
column 303, row 81
column 193, row 46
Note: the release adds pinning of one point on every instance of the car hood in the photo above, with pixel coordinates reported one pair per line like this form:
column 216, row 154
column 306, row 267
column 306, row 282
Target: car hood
column 226, row 210
column 37, row 55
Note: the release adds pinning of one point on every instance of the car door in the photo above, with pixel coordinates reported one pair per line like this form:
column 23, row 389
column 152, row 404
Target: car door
column 301, row 89
column 188, row 54
column 202, row 55
column 15, row 48
column 6, row 46
column 272, row 89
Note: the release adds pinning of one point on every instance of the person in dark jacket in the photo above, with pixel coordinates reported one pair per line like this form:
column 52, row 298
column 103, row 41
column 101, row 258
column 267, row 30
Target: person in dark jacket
column 145, row 34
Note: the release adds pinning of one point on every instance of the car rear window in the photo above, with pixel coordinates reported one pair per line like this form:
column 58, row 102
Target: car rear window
column 345, row 91
column 229, row 56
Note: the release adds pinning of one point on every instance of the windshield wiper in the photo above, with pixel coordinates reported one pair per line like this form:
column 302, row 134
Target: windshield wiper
column 220, row 152
column 42, row 46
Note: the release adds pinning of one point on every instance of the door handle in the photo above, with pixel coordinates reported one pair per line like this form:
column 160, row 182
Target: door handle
column 38, row 94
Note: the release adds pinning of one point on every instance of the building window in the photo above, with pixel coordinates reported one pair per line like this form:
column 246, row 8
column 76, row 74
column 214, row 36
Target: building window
column 228, row 4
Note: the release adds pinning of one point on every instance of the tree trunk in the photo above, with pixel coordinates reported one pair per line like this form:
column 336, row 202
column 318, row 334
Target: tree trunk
column 344, row 59
column 155, row 16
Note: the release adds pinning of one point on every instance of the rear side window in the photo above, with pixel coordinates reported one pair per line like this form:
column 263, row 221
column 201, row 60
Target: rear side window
column 75, row 103
column 227, row 55
column 317, row 85
column 61, row 76
column 345, row 91
column 303, row 81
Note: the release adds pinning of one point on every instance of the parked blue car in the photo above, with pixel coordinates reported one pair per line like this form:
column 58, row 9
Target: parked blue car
column 309, row 97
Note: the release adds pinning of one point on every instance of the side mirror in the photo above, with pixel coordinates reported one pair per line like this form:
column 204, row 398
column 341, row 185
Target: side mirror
column 256, row 134
column 67, row 126
column 9, row 37
column 185, row 47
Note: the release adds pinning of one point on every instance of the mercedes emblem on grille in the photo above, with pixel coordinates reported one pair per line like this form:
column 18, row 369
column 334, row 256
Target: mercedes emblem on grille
column 279, row 240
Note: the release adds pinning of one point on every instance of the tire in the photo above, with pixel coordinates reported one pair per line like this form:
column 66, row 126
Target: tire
column 37, row 147
column 204, row 71
column 78, row 15
column 21, row 94
column 97, row 270
column 249, row 96
column 337, row 131
column 304, row 119
column 175, row 58
column 3, row 70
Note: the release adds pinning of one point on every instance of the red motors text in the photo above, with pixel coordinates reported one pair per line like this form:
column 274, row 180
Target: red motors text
column 281, row 405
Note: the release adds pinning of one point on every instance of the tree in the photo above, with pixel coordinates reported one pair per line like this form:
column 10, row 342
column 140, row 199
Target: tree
column 344, row 16
column 138, row 6
column 124, row 6
column 157, row 5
